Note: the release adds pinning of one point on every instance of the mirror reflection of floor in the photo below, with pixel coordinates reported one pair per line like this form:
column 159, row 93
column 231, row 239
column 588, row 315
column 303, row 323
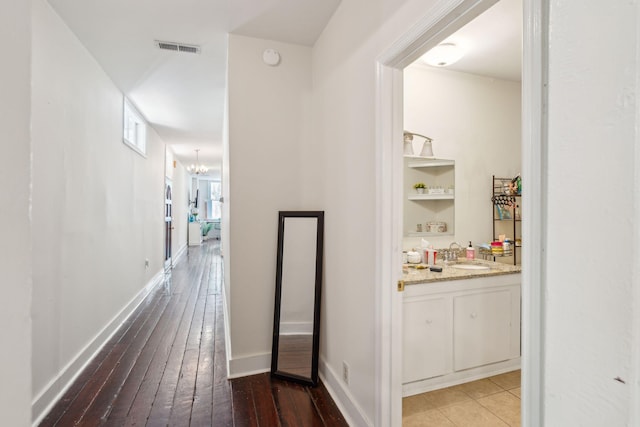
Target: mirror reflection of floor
column 294, row 354
column 490, row 402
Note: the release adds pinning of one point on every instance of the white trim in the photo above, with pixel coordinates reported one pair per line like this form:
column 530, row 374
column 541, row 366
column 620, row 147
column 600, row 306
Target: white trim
column 245, row 365
column 55, row 389
column 139, row 145
column 439, row 22
column 442, row 20
column 634, row 416
column 249, row 365
column 534, row 172
column 460, row 377
column 388, row 326
column 344, row 400
column 227, row 330
column 259, row 363
column 179, row 254
column 134, row 147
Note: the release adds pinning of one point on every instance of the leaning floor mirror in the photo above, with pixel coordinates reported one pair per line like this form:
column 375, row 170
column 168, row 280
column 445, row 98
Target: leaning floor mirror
column 296, row 324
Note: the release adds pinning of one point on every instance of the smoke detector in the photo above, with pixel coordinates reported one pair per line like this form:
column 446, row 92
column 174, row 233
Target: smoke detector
column 177, row 47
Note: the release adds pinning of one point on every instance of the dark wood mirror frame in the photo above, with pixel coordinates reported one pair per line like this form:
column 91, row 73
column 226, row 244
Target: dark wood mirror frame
column 277, row 370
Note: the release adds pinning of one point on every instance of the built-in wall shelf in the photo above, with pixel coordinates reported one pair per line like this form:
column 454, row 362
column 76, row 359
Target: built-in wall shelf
column 426, row 162
column 436, row 206
column 426, row 234
column 430, row 196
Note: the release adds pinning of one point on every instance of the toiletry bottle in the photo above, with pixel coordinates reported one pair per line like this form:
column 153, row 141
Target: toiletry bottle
column 471, row 252
column 432, row 255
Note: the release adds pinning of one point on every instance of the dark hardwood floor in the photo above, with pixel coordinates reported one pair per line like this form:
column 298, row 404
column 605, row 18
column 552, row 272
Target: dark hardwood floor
column 166, row 366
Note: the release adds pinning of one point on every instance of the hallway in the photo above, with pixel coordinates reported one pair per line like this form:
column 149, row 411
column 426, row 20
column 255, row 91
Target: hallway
column 166, row 365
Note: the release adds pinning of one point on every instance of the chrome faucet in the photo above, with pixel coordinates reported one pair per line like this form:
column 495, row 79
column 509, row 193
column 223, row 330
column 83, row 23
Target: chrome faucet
column 451, row 255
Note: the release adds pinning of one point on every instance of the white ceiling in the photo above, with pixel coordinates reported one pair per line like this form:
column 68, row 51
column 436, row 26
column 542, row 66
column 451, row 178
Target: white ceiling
column 493, row 42
column 182, row 94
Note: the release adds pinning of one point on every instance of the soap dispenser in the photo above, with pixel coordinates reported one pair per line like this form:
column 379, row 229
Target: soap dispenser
column 471, row 252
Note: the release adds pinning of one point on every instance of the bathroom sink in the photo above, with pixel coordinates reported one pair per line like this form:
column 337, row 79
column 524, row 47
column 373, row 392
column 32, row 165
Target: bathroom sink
column 471, row 266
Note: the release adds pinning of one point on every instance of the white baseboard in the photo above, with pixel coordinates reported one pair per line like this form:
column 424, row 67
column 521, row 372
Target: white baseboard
column 351, row 411
column 54, row 390
column 242, row 366
column 260, row 363
column 227, row 331
column 179, row 254
column 455, row 378
column 249, row 365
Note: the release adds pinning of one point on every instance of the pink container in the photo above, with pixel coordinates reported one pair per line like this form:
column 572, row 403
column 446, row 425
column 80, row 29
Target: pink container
column 430, row 256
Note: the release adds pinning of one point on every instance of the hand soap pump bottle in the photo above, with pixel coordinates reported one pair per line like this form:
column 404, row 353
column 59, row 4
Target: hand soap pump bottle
column 471, row 252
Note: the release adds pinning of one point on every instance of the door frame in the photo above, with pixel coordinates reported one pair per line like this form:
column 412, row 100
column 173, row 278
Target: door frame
column 168, row 234
column 442, row 20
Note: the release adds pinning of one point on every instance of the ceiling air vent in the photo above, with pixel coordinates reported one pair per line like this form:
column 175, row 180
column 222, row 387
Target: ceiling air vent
column 178, row 47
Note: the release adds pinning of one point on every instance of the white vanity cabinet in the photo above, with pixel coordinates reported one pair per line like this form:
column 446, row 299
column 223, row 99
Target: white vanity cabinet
column 482, row 333
column 460, row 330
column 427, row 332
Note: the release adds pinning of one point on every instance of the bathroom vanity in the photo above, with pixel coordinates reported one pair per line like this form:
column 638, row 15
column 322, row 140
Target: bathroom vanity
column 460, row 325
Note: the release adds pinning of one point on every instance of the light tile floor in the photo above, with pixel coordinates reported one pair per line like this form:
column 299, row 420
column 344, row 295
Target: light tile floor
column 491, row 402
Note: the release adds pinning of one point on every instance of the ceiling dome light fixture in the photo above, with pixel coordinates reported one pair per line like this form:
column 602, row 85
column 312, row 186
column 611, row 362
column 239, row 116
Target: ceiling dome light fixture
column 198, row 169
column 442, row 55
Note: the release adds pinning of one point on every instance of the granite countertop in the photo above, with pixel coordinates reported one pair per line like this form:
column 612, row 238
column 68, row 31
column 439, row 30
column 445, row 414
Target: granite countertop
column 412, row 275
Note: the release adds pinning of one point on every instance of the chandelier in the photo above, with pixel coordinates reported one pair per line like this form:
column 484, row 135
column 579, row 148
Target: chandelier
column 197, row 168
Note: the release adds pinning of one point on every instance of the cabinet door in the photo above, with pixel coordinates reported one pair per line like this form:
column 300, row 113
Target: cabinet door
column 195, row 234
column 482, row 328
column 426, row 339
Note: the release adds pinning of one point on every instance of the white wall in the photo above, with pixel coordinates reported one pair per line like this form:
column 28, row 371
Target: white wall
column 475, row 121
column 591, row 311
column 97, row 207
column 15, row 250
column 268, row 130
column 344, row 89
column 592, row 300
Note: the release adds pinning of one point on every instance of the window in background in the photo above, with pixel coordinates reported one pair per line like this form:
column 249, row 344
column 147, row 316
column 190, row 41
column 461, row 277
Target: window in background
column 216, row 206
column 134, row 129
column 209, row 192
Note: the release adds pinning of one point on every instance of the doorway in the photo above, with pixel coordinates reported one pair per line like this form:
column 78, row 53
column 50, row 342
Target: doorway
column 434, row 28
column 168, row 232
